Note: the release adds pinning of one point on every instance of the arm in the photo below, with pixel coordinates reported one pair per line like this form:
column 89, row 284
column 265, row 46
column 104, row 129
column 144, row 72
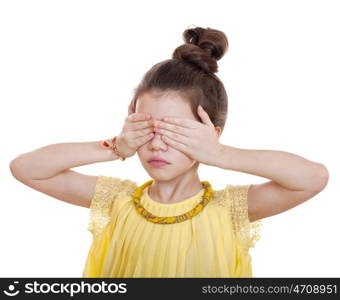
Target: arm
column 47, row 170
column 53, row 159
column 293, row 179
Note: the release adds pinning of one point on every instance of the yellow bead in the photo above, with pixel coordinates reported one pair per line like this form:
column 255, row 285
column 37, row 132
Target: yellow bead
column 174, row 219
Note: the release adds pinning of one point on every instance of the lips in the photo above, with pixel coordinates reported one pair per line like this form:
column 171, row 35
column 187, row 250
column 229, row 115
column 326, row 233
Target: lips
column 158, row 159
column 158, row 163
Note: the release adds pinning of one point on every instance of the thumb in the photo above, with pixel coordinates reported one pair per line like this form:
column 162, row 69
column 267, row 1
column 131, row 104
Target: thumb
column 204, row 116
column 130, row 109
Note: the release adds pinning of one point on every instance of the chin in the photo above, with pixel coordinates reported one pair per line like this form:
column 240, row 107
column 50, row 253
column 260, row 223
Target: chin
column 160, row 175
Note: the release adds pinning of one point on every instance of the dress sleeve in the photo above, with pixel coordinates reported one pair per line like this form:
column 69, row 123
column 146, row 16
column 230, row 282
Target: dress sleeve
column 101, row 203
column 247, row 232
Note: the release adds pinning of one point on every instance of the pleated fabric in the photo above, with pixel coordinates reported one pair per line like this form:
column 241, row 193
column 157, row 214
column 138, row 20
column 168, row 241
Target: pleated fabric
column 214, row 243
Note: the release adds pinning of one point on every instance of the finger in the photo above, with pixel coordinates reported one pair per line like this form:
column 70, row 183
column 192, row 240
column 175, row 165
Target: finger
column 140, row 125
column 174, row 128
column 137, row 117
column 204, row 116
column 142, row 132
column 130, row 108
column 143, row 139
column 135, row 134
column 175, row 144
column 139, row 140
column 177, row 137
column 188, row 123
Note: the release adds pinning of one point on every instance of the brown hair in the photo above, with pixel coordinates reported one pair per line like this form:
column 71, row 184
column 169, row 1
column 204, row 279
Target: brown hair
column 190, row 72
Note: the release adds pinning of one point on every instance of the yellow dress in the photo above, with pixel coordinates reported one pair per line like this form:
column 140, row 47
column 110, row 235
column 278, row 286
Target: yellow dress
column 214, row 243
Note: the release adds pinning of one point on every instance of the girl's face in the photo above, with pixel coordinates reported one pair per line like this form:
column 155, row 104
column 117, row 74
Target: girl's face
column 160, row 105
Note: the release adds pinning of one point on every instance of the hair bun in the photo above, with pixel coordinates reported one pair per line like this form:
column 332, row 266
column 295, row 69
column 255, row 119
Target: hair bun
column 203, row 47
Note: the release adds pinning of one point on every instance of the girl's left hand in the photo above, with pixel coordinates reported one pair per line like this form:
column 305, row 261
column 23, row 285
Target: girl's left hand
column 197, row 140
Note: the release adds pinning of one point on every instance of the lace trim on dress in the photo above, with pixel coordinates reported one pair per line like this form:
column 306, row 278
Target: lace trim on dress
column 101, row 203
column 106, row 190
column 235, row 199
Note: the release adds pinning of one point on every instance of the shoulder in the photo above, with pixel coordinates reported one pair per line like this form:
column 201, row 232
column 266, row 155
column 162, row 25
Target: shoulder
column 237, row 196
column 108, row 186
column 234, row 198
column 107, row 190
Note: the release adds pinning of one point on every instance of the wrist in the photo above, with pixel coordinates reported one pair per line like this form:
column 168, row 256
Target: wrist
column 111, row 144
column 223, row 156
column 214, row 155
column 107, row 153
column 119, row 147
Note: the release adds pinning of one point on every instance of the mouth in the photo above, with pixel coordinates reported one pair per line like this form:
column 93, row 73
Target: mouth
column 158, row 163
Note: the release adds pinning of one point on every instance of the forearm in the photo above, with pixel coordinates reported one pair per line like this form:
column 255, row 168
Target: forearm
column 50, row 160
column 289, row 170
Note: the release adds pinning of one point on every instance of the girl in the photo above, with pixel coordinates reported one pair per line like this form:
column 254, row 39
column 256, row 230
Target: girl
column 174, row 225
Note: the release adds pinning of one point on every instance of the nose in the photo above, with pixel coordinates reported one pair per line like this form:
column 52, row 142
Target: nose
column 157, row 143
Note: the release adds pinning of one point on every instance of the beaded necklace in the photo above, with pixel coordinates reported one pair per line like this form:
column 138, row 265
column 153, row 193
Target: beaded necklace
column 174, row 219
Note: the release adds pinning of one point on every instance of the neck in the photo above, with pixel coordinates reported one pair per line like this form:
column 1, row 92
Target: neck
column 176, row 189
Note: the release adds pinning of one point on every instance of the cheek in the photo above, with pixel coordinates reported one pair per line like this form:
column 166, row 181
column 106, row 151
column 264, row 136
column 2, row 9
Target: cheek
column 180, row 156
column 141, row 151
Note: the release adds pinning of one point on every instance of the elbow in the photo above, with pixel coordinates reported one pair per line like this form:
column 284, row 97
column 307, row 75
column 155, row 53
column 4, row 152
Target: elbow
column 16, row 169
column 322, row 177
column 13, row 166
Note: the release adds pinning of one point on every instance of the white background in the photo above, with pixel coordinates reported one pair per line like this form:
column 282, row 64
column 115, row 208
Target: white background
column 67, row 71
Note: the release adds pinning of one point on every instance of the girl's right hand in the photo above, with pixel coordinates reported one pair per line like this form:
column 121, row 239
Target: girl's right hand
column 137, row 130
